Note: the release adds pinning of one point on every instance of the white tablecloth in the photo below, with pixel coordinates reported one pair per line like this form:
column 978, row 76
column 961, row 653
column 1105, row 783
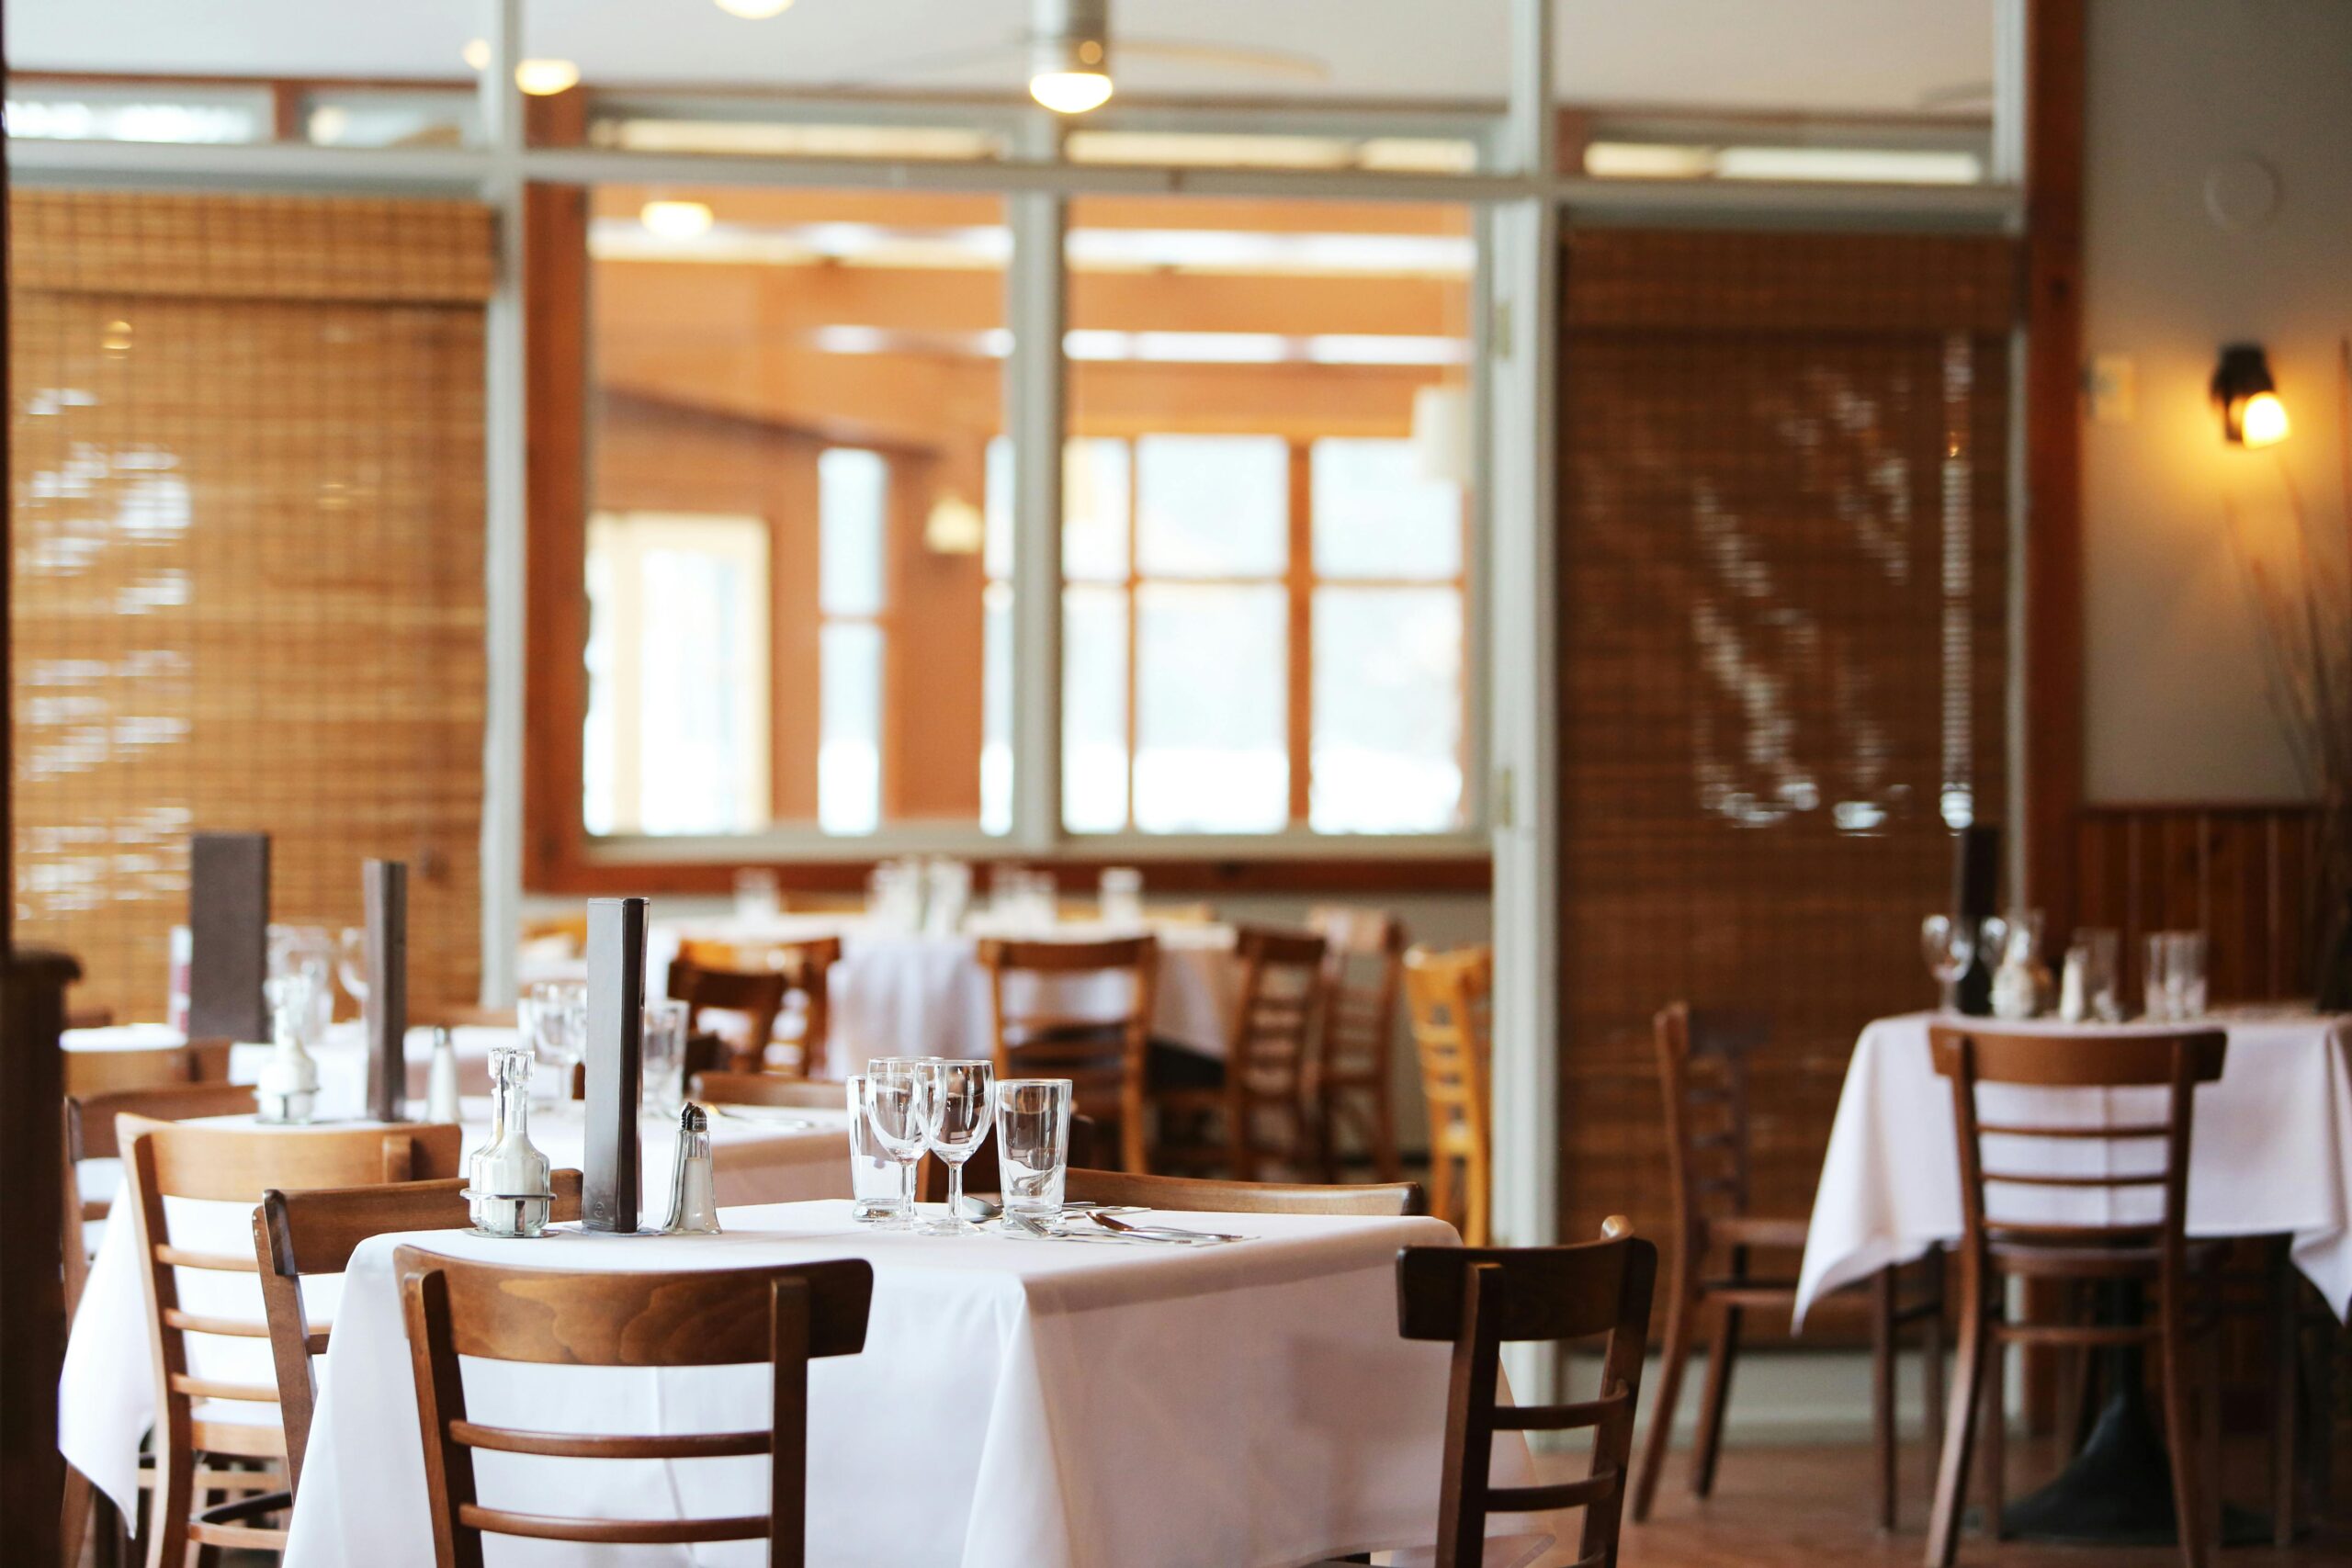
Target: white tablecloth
column 895, row 994
column 106, row 1392
column 2272, row 1150
column 1018, row 1404
column 342, row 1057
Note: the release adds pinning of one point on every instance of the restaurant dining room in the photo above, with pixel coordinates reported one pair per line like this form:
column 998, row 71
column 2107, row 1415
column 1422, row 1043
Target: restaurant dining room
column 1564, row 696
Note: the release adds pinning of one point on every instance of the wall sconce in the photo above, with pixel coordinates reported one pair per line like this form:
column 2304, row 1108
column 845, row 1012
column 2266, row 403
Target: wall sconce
column 2252, row 414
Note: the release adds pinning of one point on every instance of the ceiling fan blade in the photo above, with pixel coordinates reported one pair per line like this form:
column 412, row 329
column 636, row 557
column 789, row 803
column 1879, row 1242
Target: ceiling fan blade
column 1221, row 57
column 911, row 66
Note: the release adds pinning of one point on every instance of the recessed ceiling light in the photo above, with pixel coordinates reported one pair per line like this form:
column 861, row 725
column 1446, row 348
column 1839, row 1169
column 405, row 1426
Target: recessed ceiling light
column 754, row 10
column 541, row 78
column 477, row 54
column 675, row 219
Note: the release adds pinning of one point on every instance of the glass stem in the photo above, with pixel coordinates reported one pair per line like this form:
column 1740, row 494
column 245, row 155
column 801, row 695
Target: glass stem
column 956, row 1194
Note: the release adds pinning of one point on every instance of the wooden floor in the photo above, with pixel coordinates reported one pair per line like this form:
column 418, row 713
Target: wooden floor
column 1810, row 1507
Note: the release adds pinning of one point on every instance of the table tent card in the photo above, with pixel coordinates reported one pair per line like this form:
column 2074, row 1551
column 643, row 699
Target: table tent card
column 616, row 1063
column 384, row 886
column 228, row 922
column 1975, row 895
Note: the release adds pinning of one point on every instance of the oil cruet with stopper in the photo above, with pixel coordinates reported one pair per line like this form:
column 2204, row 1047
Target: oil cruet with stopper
column 510, row 1186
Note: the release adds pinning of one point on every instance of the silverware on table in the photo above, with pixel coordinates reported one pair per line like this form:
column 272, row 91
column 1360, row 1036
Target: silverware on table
column 1164, row 1233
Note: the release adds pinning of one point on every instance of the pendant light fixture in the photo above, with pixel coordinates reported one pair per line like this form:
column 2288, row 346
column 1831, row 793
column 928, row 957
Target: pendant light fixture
column 1069, row 66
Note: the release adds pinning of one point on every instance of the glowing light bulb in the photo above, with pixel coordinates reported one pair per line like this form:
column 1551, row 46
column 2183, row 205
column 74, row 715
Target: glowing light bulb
column 2262, row 422
column 754, row 10
column 675, row 219
column 542, row 78
column 1071, row 91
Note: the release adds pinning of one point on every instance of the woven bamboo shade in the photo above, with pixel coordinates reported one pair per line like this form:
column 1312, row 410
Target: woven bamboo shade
column 1783, row 505
column 248, row 543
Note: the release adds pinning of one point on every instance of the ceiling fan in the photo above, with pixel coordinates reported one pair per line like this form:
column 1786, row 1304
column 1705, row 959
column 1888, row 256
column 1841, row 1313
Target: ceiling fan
column 1068, row 45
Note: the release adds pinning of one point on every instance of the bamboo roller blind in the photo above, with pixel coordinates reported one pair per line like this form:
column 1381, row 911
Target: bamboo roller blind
column 1783, row 545
column 248, row 545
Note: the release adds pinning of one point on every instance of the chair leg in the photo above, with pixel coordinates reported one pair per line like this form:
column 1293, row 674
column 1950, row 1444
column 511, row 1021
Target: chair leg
column 1932, row 1365
column 1960, row 1428
column 1722, row 1349
column 1995, row 1414
column 169, row 1505
column 2189, row 1514
column 1883, row 1391
column 2285, row 1406
column 1679, row 1310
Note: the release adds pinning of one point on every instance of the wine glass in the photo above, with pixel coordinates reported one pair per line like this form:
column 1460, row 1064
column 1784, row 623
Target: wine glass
column 559, row 1027
column 894, row 1111
column 1949, row 944
column 955, row 1101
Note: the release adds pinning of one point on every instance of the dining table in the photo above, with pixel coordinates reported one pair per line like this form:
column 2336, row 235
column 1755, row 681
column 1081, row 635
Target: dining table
column 107, row 1390
column 1019, row 1402
column 901, row 992
column 341, row 1054
column 2271, row 1155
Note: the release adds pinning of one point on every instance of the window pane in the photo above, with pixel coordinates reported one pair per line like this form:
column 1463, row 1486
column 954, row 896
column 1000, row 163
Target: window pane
column 849, row 757
column 1094, row 710
column 1212, row 505
column 996, row 684
column 1094, row 511
column 1387, row 710
column 1376, row 514
column 996, row 554
column 851, row 490
column 1210, row 705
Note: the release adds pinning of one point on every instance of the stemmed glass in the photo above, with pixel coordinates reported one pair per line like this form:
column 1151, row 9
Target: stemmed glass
column 894, row 1112
column 954, row 1098
column 559, row 1027
column 1949, row 947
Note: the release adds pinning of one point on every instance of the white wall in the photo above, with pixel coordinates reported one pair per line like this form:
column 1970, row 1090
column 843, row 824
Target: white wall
column 2176, row 703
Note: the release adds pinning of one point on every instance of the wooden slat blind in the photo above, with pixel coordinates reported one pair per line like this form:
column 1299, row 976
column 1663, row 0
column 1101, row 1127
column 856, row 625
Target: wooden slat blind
column 1783, row 542
column 248, row 486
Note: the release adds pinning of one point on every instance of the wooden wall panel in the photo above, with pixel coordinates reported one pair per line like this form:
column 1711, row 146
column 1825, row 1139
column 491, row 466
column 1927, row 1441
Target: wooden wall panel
column 2244, row 874
column 248, row 537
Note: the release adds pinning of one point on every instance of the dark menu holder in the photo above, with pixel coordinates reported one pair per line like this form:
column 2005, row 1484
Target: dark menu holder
column 1976, row 893
column 384, row 887
column 228, row 925
column 616, row 1063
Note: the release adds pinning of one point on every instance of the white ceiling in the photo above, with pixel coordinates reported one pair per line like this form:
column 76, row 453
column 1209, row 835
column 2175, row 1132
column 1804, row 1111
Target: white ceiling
column 1818, row 55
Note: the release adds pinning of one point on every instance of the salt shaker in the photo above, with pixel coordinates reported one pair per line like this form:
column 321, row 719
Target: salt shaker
column 289, row 1088
column 441, row 1081
column 693, row 1200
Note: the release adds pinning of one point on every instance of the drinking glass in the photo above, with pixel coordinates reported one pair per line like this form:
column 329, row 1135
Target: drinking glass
column 559, row 1029
column 2102, row 987
column 894, row 1115
column 954, row 1101
column 307, row 950
column 1121, row 896
column 351, row 964
column 662, row 1088
column 758, row 895
column 1033, row 1145
column 2185, row 973
column 2155, row 993
column 1949, row 944
column 877, row 1182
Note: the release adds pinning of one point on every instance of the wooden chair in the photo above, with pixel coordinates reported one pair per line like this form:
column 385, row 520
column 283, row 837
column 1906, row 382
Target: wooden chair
column 1450, row 995
column 90, row 1134
column 1277, row 1019
column 1480, row 1298
column 1177, row 1193
column 767, row 1089
column 309, row 1233
column 1353, row 1085
column 1703, row 1057
column 163, row 1159
column 2148, row 1252
column 454, row 1016
column 89, row 1018
column 1102, row 1056
column 804, row 1021
column 89, row 1073
column 782, row 1316
column 759, row 997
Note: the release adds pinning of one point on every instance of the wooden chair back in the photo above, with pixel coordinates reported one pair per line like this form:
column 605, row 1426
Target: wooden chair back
column 805, row 1014
column 1102, row 1056
column 1363, row 968
column 165, row 1159
column 1480, row 1298
column 1451, row 995
column 1177, row 1193
column 1278, row 1017
column 1703, row 1068
column 310, row 1233
column 766, row 1088
column 90, row 1134
column 91, row 1073
column 455, row 1016
column 782, row 1316
column 2178, row 1061
column 758, row 996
